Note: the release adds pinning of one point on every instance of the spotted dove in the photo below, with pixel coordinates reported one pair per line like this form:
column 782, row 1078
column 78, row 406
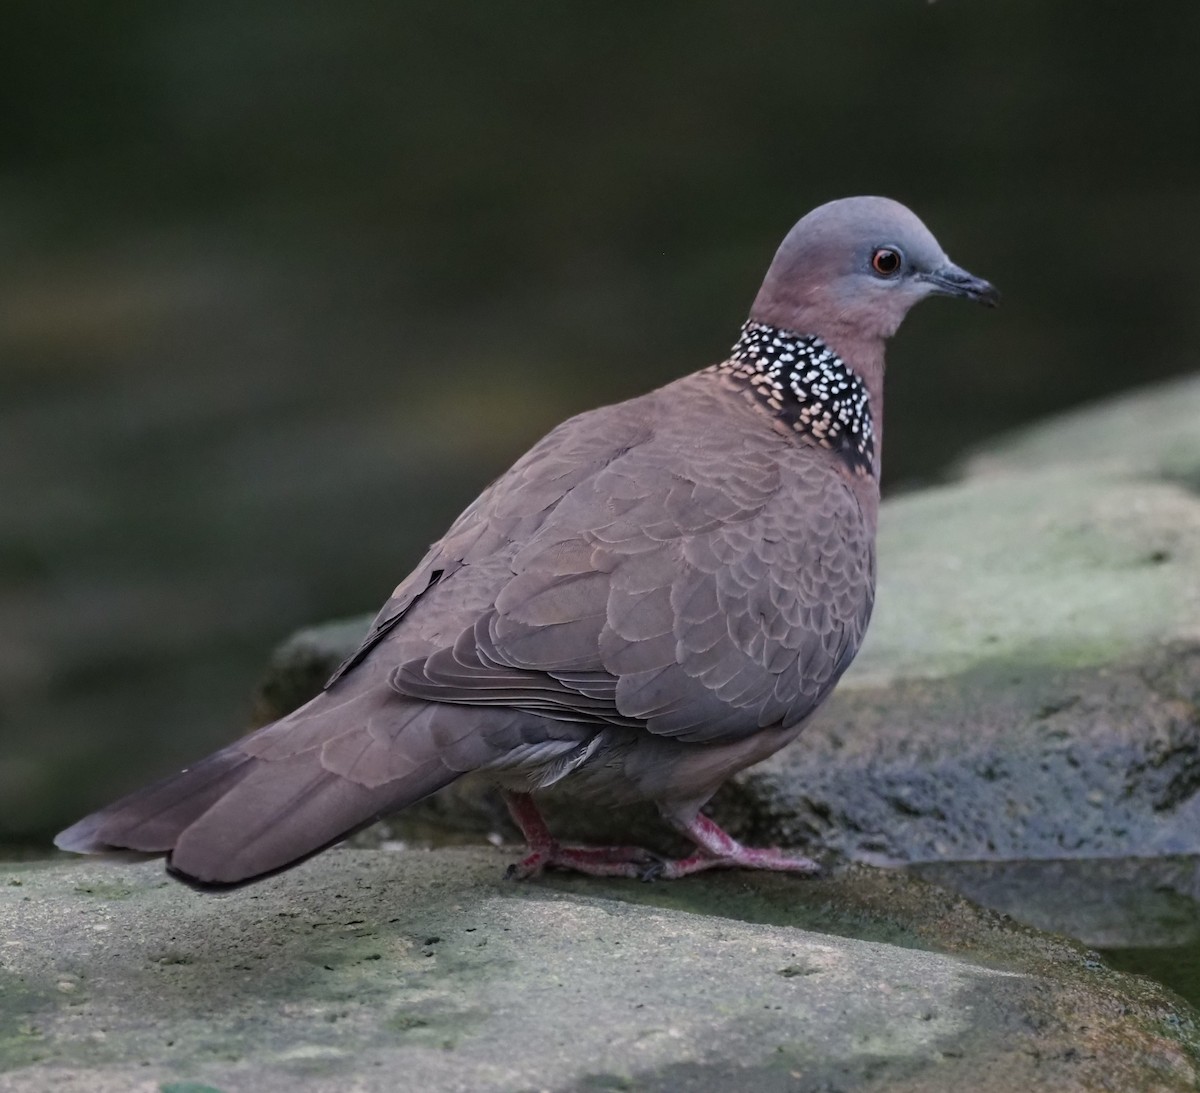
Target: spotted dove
column 657, row 595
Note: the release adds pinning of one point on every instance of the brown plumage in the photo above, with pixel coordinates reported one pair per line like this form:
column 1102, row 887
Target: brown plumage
column 655, row 596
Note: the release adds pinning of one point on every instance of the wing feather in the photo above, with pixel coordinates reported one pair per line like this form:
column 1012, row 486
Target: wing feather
column 702, row 597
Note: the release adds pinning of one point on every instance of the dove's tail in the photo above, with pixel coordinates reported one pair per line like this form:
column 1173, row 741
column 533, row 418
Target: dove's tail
column 252, row 809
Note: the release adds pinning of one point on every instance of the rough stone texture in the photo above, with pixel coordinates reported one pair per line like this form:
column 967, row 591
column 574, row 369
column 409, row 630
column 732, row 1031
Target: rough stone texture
column 1031, row 681
column 1108, row 903
column 424, row 970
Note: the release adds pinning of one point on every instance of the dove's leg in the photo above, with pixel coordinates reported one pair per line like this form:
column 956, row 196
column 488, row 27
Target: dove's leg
column 545, row 851
column 717, row 849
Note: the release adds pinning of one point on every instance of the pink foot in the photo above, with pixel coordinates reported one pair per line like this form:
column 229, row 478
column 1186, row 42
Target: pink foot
column 744, row 857
column 545, row 852
column 715, row 850
column 601, row 861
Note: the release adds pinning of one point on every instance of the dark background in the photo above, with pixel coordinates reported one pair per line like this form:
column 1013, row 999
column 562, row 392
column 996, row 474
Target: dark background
column 282, row 285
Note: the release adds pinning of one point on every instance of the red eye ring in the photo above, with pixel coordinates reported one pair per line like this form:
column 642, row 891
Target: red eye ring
column 886, row 262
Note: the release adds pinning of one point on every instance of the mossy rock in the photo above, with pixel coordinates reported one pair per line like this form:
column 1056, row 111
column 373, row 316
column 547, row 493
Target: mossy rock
column 372, row 970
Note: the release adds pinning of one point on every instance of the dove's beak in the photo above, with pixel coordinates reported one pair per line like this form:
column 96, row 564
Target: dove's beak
column 950, row 280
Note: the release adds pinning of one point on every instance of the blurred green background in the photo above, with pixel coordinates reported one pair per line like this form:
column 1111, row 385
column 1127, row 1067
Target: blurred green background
column 284, row 284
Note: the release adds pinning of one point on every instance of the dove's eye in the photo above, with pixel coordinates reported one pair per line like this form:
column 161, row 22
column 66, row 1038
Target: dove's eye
column 886, row 262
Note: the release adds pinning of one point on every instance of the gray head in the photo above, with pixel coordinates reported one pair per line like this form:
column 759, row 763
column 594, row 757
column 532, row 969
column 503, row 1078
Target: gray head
column 853, row 268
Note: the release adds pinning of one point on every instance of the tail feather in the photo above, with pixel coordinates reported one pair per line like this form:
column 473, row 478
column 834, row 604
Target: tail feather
column 284, row 812
column 234, row 818
column 300, row 784
column 150, row 820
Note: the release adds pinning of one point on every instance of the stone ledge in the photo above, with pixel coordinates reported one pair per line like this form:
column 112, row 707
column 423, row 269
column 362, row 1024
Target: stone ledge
column 367, row 969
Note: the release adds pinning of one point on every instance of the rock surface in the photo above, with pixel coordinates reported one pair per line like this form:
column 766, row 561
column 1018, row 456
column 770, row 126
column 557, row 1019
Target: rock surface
column 369, row 970
column 1114, row 904
column 1030, row 685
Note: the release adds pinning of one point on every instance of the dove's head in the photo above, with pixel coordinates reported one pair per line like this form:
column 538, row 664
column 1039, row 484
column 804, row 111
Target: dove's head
column 851, row 269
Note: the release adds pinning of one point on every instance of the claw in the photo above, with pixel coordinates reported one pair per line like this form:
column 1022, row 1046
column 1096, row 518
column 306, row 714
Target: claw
column 653, row 871
column 532, row 864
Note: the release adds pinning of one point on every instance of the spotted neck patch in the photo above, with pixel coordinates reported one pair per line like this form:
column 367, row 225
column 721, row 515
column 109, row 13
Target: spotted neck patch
column 805, row 384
